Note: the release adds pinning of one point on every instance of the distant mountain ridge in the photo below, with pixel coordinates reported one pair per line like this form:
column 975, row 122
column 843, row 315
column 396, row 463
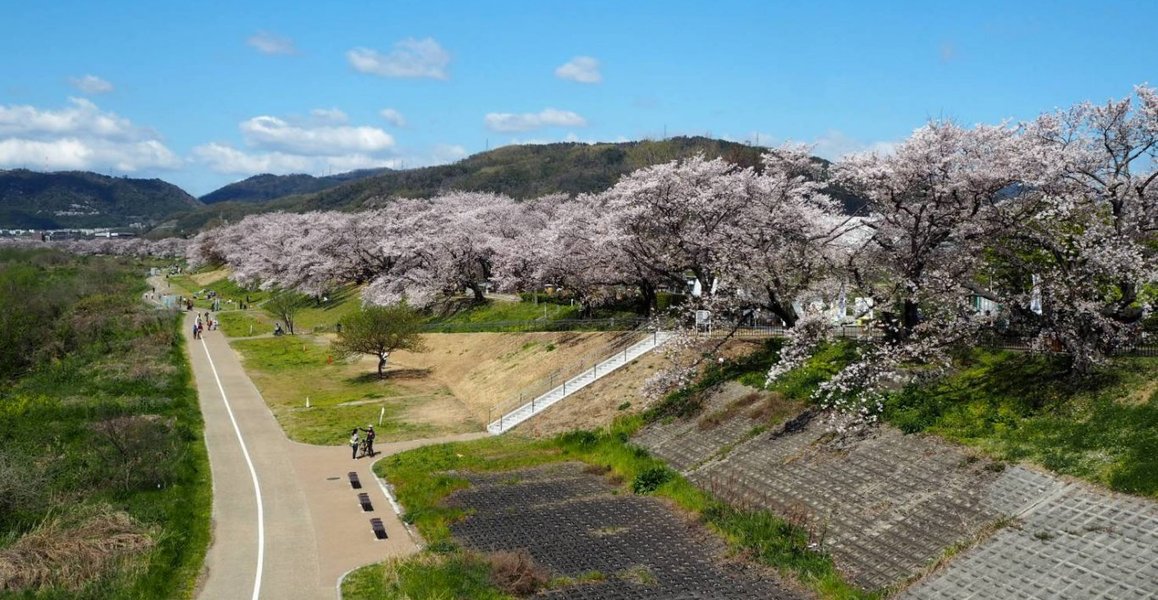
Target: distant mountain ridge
column 521, row 171
column 81, row 199
column 264, row 187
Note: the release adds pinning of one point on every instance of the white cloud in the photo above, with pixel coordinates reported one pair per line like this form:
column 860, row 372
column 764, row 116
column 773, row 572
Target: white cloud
column 583, row 69
column 318, row 144
column 409, row 58
column 393, row 117
column 269, row 43
column 223, row 158
column 91, row 84
column 834, row 145
column 81, row 117
column 78, row 136
column 272, row 133
column 329, row 116
column 548, row 117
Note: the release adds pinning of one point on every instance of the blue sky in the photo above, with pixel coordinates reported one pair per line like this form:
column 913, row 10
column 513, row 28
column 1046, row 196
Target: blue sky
column 205, row 93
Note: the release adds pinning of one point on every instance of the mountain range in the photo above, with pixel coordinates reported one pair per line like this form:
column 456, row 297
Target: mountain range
column 519, row 171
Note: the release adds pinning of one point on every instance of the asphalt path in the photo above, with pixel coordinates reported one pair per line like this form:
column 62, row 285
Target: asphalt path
column 286, row 521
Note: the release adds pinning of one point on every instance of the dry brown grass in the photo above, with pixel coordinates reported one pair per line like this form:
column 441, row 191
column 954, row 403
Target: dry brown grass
column 209, row 277
column 486, row 370
column 732, row 409
column 516, row 572
column 57, row 555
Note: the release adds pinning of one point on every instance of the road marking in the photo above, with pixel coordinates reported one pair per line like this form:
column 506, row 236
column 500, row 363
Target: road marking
column 252, row 474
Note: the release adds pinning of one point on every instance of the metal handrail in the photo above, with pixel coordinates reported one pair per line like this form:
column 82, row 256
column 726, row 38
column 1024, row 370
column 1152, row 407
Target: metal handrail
column 568, row 371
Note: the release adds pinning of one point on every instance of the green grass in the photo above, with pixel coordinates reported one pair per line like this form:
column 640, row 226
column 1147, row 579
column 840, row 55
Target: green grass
column 290, row 369
column 226, row 289
column 120, row 361
column 244, row 323
column 1103, row 428
column 499, row 310
column 428, row 576
column 322, row 316
column 465, row 315
column 422, row 479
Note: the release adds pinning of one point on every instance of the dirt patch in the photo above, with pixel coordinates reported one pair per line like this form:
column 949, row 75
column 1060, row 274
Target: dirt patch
column 1141, row 395
column 209, row 277
column 485, row 371
column 600, row 403
column 441, row 410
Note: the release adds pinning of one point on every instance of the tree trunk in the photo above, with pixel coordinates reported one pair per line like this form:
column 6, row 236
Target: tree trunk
column 381, row 365
column 479, row 298
column 783, row 310
column 649, row 297
column 910, row 318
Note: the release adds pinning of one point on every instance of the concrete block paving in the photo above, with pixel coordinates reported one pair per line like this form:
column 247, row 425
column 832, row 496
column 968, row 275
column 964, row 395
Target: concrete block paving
column 888, row 505
column 1080, row 542
column 574, row 523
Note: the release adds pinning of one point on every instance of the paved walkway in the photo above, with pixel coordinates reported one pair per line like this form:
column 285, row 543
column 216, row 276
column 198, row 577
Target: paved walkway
column 286, row 522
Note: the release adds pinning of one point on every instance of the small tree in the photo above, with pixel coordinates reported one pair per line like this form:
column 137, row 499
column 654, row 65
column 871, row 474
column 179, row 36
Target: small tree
column 380, row 330
column 285, row 305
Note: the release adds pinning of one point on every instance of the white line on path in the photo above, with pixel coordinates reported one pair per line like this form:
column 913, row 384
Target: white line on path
column 252, row 474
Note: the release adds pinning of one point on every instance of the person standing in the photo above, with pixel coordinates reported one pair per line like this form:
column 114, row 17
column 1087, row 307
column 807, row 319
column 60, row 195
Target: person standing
column 370, row 439
column 354, row 442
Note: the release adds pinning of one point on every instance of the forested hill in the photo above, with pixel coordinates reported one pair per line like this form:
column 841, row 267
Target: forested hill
column 522, row 172
column 261, row 188
column 32, row 200
column 526, row 171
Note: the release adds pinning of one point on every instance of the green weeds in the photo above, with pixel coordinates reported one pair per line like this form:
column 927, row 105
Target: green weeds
column 102, row 430
column 1013, row 406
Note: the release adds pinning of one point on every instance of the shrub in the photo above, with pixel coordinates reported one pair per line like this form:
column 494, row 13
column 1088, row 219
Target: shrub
column 516, row 572
column 649, row 480
column 580, row 437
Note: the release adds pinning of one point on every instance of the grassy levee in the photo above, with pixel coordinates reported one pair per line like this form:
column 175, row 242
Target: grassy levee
column 105, row 487
column 1102, row 427
column 1012, row 406
column 322, row 315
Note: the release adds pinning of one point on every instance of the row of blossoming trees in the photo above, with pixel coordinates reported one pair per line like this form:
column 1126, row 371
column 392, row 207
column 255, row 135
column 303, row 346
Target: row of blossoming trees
column 1054, row 220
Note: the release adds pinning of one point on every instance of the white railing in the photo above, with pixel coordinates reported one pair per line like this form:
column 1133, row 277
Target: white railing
column 599, row 369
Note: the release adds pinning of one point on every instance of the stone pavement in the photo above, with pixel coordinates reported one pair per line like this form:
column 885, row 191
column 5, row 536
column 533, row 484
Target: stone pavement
column 887, row 506
column 308, row 516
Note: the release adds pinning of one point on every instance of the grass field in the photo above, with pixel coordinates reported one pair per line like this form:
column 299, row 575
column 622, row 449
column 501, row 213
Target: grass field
column 290, row 369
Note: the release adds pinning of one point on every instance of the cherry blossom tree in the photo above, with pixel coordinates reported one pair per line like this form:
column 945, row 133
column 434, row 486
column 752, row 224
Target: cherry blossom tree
column 448, row 244
column 1087, row 234
column 671, row 219
column 930, row 205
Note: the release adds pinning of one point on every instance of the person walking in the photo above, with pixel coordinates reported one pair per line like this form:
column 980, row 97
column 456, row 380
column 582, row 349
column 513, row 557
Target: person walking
column 354, row 443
